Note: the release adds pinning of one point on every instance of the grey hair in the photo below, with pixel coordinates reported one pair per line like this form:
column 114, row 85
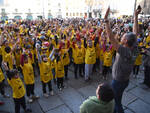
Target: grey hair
column 131, row 39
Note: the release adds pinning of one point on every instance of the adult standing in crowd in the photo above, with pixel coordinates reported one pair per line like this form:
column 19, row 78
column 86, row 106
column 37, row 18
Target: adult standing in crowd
column 125, row 58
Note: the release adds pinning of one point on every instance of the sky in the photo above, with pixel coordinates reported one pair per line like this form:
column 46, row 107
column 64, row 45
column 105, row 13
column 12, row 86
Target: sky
column 1, row 2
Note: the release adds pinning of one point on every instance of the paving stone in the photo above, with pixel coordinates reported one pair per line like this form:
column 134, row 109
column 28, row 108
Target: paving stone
column 128, row 111
column 49, row 103
column 77, row 83
column 130, row 86
column 139, row 107
column 72, row 98
column 35, row 107
column 8, row 107
column 60, row 109
column 88, row 91
column 141, row 93
column 128, row 98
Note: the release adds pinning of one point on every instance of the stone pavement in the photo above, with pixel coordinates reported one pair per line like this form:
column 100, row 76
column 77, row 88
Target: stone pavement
column 135, row 98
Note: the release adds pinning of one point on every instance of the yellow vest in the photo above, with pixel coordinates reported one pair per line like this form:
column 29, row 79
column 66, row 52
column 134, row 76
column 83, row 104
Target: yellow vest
column 18, row 58
column 66, row 59
column 138, row 60
column 90, row 55
column 59, row 68
column 79, row 55
column 108, row 58
column 9, row 59
column 28, row 73
column 45, row 71
column 17, row 87
column 1, row 76
column 101, row 55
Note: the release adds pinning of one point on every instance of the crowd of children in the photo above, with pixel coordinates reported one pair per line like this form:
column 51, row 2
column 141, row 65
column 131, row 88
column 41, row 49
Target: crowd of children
column 51, row 46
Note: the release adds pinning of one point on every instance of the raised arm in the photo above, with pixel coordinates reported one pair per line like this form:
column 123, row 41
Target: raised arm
column 39, row 56
column 51, row 55
column 111, row 36
column 135, row 25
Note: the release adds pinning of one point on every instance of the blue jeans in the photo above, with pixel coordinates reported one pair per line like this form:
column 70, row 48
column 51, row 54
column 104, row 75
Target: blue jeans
column 118, row 88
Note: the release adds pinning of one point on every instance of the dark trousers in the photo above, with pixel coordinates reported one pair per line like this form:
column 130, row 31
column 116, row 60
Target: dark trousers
column 147, row 76
column 105, row 70
column 96, row 65
column 53, row 72
column 60, row 82
column 19, row 102
column 118, row 88
column 2, row 84
column 44, row 86
column 66, row 71
column 30, row 89
column 136, row 69
column 80, row 68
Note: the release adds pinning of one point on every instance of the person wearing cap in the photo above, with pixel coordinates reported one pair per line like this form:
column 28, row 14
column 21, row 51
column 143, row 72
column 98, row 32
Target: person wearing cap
column 124, row 61
column 45, row 73
column 18, row 89
column 103, row 102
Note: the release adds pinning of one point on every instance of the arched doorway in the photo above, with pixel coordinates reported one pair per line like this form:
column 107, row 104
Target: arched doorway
column 17, row 17
column 29, row 17
column 4, row 18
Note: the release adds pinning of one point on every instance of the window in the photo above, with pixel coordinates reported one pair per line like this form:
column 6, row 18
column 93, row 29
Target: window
column 73, row 14
column 49, row 11
column 66, row 8
column 3, row 10
column 16, row 10
column 70, row 14
column 58, row 4
column 29, row 10
column 77, row 14
column 66, row 14
column 81, row 14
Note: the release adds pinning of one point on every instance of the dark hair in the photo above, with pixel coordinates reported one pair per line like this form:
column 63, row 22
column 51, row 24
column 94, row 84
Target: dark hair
column 131, row 39
column 25, row 56
column 43, row 56
column 12, row 73
column 106, row 93
column 7, row 49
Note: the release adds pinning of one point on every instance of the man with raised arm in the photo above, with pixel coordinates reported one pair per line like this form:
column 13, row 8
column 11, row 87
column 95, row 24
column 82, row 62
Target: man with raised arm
column 125, row 57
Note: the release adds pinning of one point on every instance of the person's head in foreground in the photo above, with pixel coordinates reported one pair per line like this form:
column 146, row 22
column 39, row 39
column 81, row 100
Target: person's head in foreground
column 128, row 40
column 104, row 92
column 101, row 103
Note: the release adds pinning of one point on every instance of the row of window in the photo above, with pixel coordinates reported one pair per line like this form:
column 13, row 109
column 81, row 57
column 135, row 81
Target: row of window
column 74, row 14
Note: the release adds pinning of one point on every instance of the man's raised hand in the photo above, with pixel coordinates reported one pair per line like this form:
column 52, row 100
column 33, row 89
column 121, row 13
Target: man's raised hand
column 107, row 13
column 138, row 10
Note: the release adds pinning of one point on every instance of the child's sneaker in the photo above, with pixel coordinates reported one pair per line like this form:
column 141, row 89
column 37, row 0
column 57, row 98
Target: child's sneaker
column 46, row 95
column 30, row 100
column 52, row 93
column 28, row 111
column 6, row 96
column 60, row 89
column 35, row 97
